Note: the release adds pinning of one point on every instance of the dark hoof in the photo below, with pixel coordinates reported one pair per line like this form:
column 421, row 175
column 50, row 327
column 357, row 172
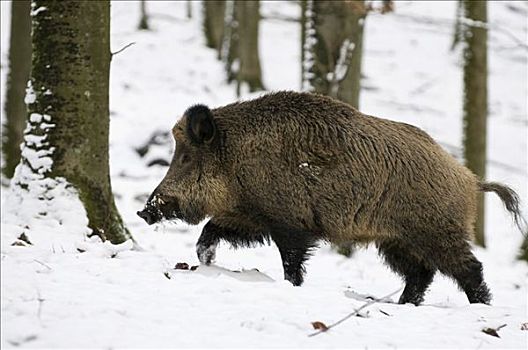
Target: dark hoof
column 206, row 254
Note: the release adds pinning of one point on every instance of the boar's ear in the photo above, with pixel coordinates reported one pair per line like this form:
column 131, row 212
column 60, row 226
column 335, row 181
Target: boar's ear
column 200, row 124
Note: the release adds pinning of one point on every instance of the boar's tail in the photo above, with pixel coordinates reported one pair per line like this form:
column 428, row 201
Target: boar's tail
column 510, row 199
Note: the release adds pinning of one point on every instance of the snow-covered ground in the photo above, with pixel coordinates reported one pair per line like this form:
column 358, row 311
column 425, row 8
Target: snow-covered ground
column 54, row 295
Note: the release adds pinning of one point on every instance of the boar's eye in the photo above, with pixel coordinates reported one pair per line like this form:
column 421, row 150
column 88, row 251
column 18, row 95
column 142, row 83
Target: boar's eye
column 184, row 159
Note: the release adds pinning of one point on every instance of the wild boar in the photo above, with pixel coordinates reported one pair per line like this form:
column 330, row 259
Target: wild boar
column 299, row 168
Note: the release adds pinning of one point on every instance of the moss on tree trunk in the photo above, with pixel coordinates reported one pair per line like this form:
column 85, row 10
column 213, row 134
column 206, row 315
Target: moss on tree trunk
column 19, row 67
column 70, row 77
column 476, row 99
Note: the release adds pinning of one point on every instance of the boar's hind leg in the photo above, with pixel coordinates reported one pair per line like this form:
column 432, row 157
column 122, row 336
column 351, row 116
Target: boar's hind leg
column 294, row 247
column 466, row 270
column 212, row 234
column 416, row 274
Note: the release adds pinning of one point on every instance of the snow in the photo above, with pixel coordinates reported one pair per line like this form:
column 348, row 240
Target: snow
column 68, row 290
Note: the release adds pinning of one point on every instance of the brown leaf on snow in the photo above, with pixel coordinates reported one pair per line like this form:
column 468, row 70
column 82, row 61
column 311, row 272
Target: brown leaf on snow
column 320, row 326
column 524, row 326
column 182, row 266
column 493, row 331
column 194, row 267
column 24, row 238
column 22, row 241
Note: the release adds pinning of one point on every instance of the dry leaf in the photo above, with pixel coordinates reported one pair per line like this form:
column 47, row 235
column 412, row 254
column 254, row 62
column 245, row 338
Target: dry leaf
column 182, row 266
column 24, row 238
column 194, row 267
column 319, row 326
column 524, row 326
column 493, row 331
column 166, row 274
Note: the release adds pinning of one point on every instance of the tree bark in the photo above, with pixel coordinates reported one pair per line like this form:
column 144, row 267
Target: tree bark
column 336, row 48
column 303, row 37
column 332, row 55
column 248, row 17
column 69, row 110
column 143, row 20
column 229, row 50
column 213, row 24
column 18, row 76
column 524, row 250
column 476, row 99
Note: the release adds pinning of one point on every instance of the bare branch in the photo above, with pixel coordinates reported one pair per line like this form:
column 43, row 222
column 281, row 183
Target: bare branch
column 123, row 48
column 41, row 263
column 465, row 21
column 353, row 313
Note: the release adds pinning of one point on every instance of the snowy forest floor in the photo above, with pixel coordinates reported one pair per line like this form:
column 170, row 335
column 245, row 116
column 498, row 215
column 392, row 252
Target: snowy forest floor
column 68, row 291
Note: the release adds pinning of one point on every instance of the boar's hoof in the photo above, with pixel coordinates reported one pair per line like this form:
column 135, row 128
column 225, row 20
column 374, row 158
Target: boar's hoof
column 206, row 254
column 295, row 278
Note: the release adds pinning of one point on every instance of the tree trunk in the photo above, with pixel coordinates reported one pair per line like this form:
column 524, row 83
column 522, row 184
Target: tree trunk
column 189, row 9
column 476, row 99
column 68, row 109
column 524, row 250
column 336, row 43
column 332, row 55
column 18, row 76
column 248, row 31
column 143, row 20
column 303, row 37
column 213, row 24
column 229, row 50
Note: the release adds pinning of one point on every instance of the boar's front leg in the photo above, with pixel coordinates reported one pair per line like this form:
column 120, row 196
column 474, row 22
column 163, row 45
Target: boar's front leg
column 295, row 247
column 213, row 233
column 206, row 244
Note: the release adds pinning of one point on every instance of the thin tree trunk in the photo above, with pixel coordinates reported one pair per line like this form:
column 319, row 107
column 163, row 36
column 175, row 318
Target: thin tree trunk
column 349, row 87
column 303, row 37
column 336, row 48
column 230, row 45
column 143, row 20
column 248, row 33
column 69, row 108
column 476, row 100
column 189, row 9
column 524, row 250
column 213, row 24
column 18, row 76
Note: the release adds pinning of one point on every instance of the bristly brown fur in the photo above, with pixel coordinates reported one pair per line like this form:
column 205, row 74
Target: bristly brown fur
column 301, row 167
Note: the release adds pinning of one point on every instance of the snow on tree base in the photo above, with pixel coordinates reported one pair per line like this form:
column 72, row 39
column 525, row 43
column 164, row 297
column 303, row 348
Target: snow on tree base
column 46, row 210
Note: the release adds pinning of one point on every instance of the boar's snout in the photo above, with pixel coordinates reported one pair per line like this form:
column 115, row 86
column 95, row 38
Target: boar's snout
column 150, row 216
column 159, row 207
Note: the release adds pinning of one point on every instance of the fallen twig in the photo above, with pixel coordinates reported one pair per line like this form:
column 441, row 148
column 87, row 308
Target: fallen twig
column 353, row 313
column 41, row 263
